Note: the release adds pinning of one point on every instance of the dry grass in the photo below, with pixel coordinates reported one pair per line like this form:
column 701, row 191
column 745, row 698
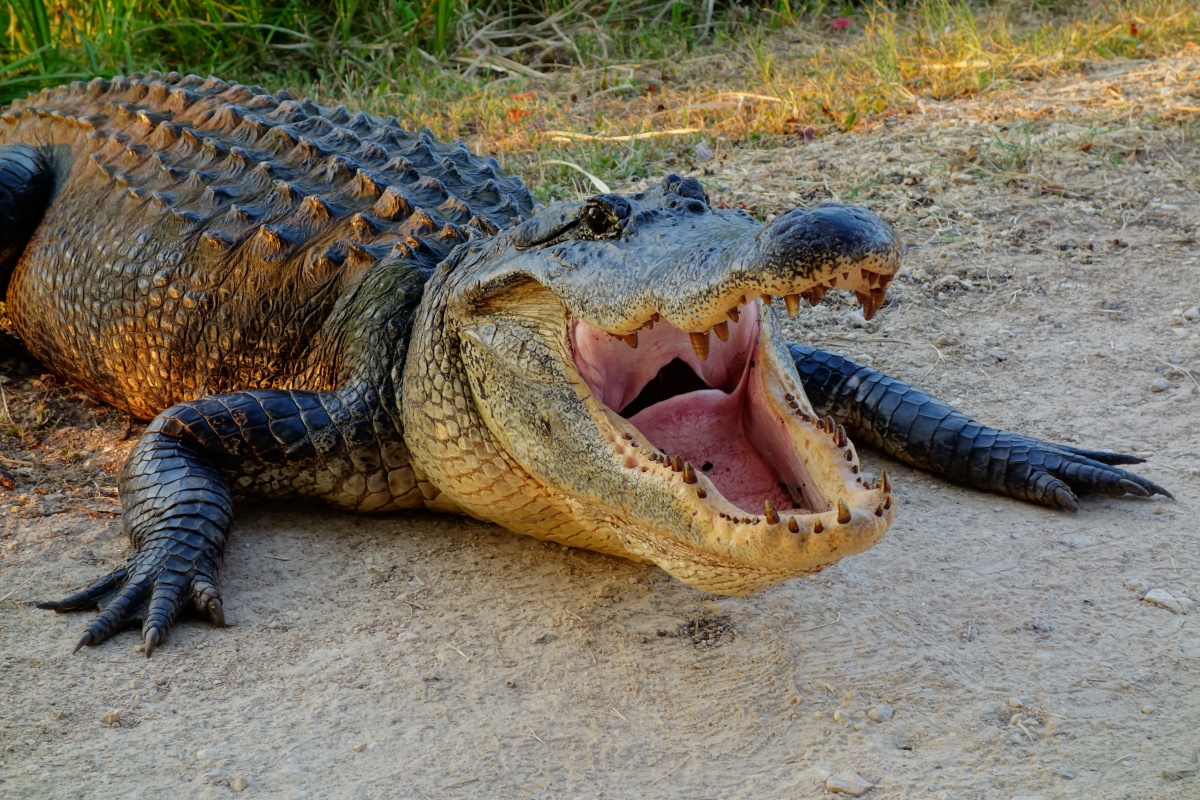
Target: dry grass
column 529, row 91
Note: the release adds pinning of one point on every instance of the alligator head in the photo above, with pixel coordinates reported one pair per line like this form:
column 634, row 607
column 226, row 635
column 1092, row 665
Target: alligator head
column 612, row 375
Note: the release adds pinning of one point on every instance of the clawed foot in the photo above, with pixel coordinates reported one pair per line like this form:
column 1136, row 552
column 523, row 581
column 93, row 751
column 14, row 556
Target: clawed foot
column 148, row 590
column 1059, row 473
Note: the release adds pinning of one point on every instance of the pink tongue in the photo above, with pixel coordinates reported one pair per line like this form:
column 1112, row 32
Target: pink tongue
column 706, row 427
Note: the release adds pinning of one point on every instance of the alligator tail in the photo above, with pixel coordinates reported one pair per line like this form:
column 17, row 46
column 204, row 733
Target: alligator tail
column 26, row 183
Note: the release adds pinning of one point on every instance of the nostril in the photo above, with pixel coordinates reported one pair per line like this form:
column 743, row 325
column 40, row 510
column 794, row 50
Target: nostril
column 685, row 187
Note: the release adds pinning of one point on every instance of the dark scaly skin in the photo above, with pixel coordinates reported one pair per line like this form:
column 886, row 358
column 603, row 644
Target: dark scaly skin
column 930, row 435
column 296, row 247
column 254, row 265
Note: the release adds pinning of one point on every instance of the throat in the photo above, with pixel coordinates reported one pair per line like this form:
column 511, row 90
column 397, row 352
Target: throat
column 676, row 378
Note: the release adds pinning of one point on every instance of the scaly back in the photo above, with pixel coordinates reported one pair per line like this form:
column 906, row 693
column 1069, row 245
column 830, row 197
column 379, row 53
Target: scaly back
column 200, row 234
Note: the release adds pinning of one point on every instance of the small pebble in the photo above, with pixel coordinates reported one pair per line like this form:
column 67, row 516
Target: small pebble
column 239, row 784
column 850, row 783
column 1161, row 597
column 1015, row 703
column 206, row 753
column 1065, row 774
column 1147, row 709
column 112, row 719
column 880, row 713
column 1138, row 585
column 1192, row 314
column 841, row 717
column 358, row 748
column 1158, row 385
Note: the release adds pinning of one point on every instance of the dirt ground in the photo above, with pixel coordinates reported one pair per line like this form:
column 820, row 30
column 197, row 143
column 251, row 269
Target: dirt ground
column 984, row 649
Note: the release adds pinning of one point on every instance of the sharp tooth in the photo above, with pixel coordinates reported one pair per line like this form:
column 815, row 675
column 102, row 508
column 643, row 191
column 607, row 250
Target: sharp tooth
column 700, row 345
column 766, row 298
column 655, row 317
column 630, row 339
column 843, row 512
column 884, row 483
column 703, row 494
column 793, row 526
column 829, row 425
column 815, row 294
column 772, row 514
column 818, row 527
column 878, row 295
column 733, row 314
column 677, row 464
column 689, row 474
column 721, row 329
column 870, row 302
column 841, row 436
column 793, row 304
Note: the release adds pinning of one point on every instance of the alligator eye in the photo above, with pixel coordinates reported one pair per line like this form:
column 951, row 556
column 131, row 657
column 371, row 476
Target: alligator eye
column 604, row 216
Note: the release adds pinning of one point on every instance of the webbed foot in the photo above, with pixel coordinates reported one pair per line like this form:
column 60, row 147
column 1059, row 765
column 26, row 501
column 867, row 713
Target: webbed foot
column 1056, row 474
column 151, row 590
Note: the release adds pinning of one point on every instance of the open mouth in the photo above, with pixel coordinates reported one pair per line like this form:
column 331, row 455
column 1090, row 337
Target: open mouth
column 720, row 410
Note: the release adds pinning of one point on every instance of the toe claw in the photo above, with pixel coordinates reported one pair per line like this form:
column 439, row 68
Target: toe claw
column 152, row 638
column 1133, row 488
column 216, row 612
column 84, row 641
column 1065, row 499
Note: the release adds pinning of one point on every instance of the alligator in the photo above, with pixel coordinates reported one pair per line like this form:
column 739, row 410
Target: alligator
column 306, row 301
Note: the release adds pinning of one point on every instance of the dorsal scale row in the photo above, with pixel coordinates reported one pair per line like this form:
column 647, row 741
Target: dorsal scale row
column 220, row 197
column 204, row 145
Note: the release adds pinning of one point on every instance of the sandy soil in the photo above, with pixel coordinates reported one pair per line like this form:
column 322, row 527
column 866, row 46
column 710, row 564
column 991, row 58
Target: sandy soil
column 1052, row 252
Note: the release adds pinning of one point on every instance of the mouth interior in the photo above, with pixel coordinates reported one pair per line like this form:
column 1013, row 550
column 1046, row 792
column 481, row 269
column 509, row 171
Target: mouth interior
column 712, row 413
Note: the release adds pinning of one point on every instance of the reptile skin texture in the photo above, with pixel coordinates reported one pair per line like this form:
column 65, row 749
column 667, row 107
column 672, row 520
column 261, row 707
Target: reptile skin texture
column 927, row 433
column 327, row 305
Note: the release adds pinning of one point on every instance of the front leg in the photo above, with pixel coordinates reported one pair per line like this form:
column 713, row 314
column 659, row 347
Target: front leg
column 177, row 512
column 927, row 433
column 176, row 492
